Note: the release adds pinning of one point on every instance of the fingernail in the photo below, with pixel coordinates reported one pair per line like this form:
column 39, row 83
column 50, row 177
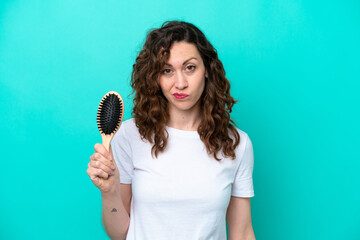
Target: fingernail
column 112, row 166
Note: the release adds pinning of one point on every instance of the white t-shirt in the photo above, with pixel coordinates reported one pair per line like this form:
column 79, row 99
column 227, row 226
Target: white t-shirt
column 184, row 193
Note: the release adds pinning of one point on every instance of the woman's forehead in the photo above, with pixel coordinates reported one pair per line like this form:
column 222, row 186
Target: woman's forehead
column 182, row 52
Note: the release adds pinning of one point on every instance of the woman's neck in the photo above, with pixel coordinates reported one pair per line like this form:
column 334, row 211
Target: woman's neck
column 185, row 120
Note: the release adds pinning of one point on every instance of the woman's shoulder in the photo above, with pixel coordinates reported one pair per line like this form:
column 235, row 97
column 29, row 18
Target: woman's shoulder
column 242, row 133
column 128, row 122
column 244, row 139
column 128, row 125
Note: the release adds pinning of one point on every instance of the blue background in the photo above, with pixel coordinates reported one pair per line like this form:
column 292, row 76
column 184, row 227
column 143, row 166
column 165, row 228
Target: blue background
column 294, row 68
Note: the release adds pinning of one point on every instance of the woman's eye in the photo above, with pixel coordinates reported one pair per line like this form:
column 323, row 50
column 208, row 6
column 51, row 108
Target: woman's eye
column 166, row 71
column 191, row 67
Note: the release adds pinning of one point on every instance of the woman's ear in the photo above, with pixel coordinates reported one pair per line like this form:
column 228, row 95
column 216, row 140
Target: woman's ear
column 206, row 74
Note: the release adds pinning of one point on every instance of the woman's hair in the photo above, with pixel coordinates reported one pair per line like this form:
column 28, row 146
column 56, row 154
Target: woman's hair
column 150, row 110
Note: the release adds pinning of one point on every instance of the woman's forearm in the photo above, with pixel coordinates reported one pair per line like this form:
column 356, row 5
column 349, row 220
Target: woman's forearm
column 115, row 218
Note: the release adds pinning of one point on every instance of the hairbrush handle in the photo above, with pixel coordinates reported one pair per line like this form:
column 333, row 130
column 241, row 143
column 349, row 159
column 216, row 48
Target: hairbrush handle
column 106, row 140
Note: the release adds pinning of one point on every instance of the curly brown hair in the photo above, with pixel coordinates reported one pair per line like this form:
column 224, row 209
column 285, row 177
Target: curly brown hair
column 150, row 110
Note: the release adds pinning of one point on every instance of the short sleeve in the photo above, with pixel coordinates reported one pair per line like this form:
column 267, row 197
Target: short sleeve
column 243, row 182
column 121, row 149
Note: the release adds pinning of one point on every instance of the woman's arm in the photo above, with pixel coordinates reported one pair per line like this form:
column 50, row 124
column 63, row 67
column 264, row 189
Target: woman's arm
column 238, row 217
column 115, row 216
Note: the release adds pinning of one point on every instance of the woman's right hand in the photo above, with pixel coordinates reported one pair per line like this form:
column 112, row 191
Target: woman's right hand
column 100, row 170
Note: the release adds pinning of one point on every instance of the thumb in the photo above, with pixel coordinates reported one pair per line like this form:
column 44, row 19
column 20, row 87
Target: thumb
column 98, row 181
column 111, row 157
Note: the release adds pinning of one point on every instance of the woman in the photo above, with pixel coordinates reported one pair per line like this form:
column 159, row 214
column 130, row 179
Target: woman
column 182, row 169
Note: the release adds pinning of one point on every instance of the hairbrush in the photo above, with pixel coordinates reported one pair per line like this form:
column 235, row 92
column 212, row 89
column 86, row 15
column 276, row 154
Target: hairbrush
column 110, row 115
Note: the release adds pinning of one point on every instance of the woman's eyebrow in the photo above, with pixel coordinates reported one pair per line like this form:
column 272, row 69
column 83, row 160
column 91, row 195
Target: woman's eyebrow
column 183, row 62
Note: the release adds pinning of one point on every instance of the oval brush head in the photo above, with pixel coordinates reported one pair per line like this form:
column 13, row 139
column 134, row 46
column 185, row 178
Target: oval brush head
column 110, row 116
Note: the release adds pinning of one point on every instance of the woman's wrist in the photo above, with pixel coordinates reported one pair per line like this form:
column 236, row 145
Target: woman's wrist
column 111, row 193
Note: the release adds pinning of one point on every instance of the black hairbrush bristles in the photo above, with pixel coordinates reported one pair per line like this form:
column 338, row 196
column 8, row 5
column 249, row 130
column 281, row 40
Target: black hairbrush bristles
column 110, row 116
column 110, row 113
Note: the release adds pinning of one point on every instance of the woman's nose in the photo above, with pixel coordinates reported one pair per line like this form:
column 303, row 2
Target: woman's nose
column 180, row 81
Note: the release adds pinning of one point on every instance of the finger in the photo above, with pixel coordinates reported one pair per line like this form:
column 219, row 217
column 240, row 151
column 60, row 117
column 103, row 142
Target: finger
column 99, row 164
column 98, row 157
column 97, row 181
column 102, row 150
column 111, row 154
column 96, row 172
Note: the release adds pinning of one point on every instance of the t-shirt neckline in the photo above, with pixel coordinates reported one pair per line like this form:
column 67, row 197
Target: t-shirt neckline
column 183, row 133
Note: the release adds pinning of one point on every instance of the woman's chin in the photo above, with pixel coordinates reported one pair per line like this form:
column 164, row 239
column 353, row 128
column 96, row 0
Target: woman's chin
column 183, row 107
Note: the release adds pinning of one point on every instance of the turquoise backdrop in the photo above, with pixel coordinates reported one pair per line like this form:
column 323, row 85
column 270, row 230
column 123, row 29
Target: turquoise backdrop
column 294, row 68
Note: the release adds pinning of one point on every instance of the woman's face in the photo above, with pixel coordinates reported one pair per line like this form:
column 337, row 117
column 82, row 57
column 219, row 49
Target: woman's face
column 182, row 80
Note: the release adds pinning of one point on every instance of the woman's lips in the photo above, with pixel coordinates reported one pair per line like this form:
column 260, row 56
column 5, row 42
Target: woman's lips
column 180, row 95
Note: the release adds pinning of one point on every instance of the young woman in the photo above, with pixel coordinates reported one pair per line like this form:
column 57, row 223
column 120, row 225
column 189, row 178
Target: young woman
column 182, row 169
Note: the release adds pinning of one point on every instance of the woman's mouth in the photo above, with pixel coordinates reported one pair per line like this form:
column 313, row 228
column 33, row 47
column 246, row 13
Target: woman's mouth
column 180, row 95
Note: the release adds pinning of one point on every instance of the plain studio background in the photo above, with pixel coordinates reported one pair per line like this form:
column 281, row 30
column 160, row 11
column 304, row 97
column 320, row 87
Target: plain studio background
column 294, row 68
